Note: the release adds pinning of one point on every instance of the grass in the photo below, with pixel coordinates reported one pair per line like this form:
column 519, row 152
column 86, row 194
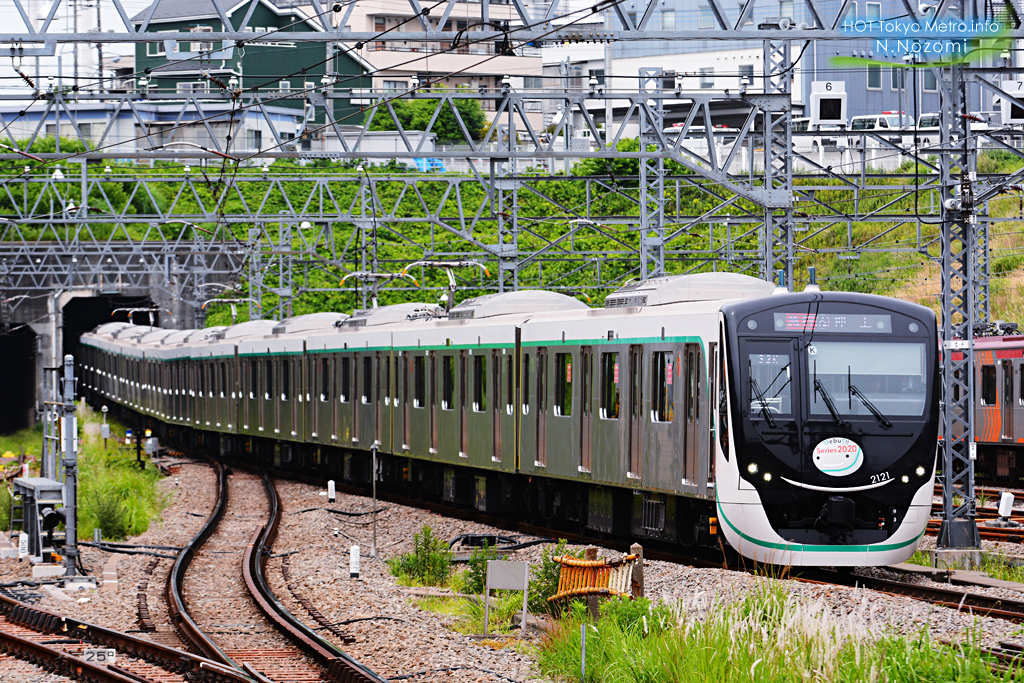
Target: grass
column 920, row 557
column 466, row 614
column 114, row 494
column 767, row 636
column 999, row 566
column 31, row 440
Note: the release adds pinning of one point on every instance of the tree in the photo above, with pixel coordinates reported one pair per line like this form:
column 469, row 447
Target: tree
column 415, row 114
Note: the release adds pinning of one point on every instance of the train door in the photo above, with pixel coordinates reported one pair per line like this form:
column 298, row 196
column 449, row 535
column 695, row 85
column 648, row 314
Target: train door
column 694, row 367
column 432, row 369
column 586, row 398
column 463, row 417
column 1008, row 401
column 542, row 408
column 636, row 410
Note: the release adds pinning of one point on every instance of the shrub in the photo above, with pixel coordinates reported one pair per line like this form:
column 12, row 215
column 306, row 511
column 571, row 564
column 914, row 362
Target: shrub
column 544, row 578
column 428, row 564
column 476, row 568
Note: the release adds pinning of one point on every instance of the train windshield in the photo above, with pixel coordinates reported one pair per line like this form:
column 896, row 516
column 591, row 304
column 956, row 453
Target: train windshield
column 879, row 379
column 771, row 386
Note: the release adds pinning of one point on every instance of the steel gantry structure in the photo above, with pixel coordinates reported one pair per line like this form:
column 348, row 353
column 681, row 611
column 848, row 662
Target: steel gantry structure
column 753, row 205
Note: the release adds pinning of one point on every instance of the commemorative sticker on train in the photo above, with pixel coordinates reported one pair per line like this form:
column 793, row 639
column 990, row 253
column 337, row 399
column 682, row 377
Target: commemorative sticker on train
column 838, row 456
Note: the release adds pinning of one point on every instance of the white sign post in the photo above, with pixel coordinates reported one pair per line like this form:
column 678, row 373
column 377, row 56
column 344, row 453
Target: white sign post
column 505, row 575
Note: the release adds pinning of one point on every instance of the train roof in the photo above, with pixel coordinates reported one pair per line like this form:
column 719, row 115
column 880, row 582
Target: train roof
column 523, row 302
column 371, row 317
column 310, row 322
column 675, row 289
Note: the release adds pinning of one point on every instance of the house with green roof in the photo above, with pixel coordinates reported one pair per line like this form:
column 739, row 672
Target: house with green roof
column 276, row 68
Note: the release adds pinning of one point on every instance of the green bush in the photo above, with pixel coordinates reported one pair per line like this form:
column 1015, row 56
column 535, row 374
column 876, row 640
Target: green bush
column 544, row 577
column 476, row 568
column 428, row 564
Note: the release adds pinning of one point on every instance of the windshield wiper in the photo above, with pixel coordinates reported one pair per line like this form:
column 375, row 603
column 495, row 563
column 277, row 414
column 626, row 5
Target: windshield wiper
column 759, row 395
column 870, row 406
column 819, row 388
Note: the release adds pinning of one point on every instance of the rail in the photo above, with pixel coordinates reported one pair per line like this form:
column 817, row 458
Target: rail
column 191, row 666
column 340, row 667
column 188, row 628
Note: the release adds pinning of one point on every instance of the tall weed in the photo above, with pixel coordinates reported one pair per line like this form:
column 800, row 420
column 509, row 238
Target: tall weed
column 428, row 564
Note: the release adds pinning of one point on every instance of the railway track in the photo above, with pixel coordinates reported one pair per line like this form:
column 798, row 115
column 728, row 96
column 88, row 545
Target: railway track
column 223, row 606
column 58, row 643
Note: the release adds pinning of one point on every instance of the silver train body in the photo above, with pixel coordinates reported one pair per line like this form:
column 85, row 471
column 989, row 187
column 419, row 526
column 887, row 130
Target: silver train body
column 532, row 405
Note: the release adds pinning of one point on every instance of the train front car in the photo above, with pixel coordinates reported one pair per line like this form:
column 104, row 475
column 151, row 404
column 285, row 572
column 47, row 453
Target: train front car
column 828, row 451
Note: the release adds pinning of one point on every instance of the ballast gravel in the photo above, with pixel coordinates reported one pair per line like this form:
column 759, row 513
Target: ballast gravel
column 410, row 640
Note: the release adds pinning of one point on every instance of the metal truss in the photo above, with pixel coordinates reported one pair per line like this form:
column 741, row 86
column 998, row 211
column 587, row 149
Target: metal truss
column 527, row 26
column 778, row 164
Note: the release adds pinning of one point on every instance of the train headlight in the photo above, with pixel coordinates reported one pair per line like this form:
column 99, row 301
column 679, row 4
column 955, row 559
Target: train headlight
column 919, row 471
column 767, row 476
column 752, row 468
column 906, row 479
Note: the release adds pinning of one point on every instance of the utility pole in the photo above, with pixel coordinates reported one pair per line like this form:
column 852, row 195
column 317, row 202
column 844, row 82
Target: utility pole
column 69, row 424
column 74, row 21
column 99, row 45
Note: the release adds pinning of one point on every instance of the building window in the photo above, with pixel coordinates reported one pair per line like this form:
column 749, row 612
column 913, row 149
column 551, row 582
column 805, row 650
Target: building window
column 746, row 74
column 707, row 77
column 668, row 20
column 563, row 384
column 155, row 49
column 254, row 139
column 537, row 82
column 897, row 79
column 200, row 88
column 749, row 20
column 632, row 18
column 874, row 77
column 202, row 47
column 873, row 12
column 929, row 80
column 705, row 18
column 851, row 16
column 396, row 86
column 610, row 386
column 786, row 8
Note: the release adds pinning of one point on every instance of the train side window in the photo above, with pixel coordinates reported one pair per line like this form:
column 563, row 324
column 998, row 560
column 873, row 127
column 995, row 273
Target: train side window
column 692, row 388
column 223, row 379
column 723, row 401
column 542, row 366
column 563, row 384
column 286, row 379
column 346, row 379
column 419, row 372
column 662, row 401
column 433, row 378
column 367, row 371
column 479, row 384
column 268, row 370
column 254, row 378
column 325, row 379
column 510, row 399
column 526, row 384
column 988, row 385
column 202, row 380
column 447, row 382
column 610, row 394
column 1020, row 397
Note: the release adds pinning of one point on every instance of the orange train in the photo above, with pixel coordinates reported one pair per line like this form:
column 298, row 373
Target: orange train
column 999, row 407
